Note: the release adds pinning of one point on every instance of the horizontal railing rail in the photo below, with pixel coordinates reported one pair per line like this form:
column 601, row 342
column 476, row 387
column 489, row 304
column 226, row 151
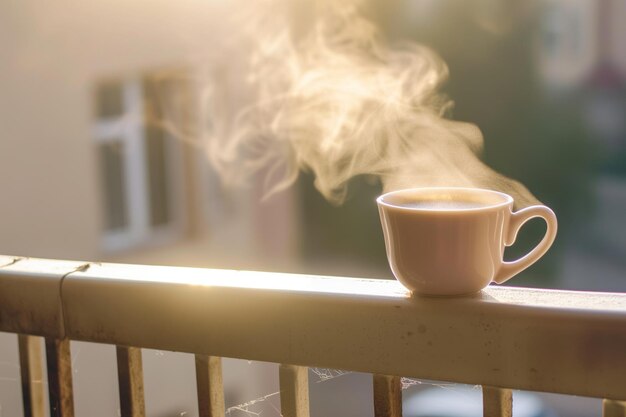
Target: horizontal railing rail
column 502, row 338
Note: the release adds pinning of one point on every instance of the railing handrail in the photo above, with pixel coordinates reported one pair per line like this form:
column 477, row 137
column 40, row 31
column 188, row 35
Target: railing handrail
column 542, row 340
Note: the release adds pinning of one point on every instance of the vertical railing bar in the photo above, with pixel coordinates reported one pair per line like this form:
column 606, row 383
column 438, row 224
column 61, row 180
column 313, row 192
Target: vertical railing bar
column 59, row 364
column 130, row 380
column 294, row 390
column 31, row 372
column 497, row 402
column 387, row 395
column 210, row 386
column 613, row 408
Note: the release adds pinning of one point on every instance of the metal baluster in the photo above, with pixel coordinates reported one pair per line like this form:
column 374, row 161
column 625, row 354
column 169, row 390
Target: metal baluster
column 130, row 377
column 59, row 361
column 497, row 402
column 210, row 386
column 612, row 408
column 31, row 370
column 387, row 396
column 294, row 391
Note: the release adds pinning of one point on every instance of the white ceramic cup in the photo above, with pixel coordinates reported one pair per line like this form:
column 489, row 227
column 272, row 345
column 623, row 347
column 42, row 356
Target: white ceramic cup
column 450, row 241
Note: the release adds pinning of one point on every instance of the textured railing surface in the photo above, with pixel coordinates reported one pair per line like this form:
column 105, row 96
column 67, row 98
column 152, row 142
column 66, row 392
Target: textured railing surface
column 502, row 338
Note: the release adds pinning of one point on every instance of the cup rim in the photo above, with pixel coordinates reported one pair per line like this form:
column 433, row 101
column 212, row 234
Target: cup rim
column 508, row 200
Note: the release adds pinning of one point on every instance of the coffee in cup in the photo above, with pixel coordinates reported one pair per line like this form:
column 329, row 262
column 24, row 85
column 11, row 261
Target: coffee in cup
column 451, row 241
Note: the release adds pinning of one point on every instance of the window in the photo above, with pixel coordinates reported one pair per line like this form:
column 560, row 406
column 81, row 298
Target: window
column 139, row 161
column 566, row 47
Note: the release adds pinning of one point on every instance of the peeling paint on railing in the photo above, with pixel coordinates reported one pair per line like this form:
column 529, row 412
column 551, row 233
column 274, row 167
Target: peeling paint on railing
column 12, row 262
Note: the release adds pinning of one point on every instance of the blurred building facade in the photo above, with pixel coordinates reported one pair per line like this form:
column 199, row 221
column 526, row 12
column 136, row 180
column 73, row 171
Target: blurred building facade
column 88, row 169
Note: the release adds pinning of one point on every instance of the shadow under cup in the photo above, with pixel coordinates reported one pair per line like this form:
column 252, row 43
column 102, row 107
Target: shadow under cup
column 451, row 241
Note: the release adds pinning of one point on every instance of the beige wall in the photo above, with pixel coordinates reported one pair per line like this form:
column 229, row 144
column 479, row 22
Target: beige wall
column 51, row 53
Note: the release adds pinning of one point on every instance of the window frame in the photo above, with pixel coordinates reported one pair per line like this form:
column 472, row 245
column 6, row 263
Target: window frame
column 129, row 129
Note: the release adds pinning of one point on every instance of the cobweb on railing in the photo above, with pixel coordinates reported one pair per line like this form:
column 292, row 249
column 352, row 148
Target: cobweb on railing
column 255, row 407
column 251, row 407
column 410, row 382
column 325, row 374
column 269, row 405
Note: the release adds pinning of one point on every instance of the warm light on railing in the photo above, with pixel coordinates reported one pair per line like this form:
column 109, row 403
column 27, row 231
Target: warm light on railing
column 246, row 279
column 541, row 340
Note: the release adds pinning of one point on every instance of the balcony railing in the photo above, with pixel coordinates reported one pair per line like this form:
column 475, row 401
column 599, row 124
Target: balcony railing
column 503, row 338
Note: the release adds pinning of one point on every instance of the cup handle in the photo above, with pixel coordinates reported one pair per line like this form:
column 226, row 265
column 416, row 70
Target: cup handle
column 509, row 269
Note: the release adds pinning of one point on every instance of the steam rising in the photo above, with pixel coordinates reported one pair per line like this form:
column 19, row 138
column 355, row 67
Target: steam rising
column 334, row 99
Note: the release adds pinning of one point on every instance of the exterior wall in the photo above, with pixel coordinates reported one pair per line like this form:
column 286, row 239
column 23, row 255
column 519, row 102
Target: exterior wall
column 51, row 55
